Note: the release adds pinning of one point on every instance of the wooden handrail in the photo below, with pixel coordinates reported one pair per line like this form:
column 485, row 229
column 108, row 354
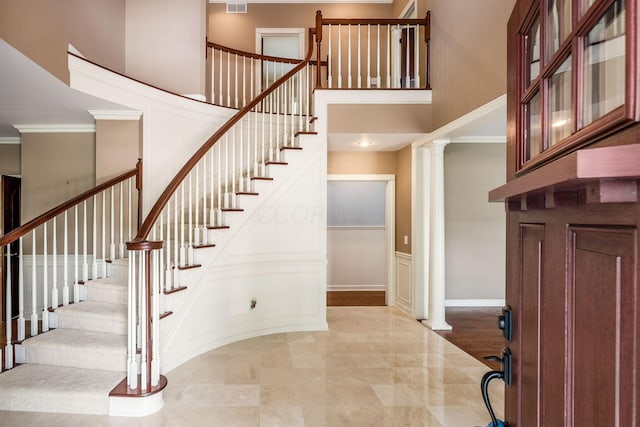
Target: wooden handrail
column 373, row 21
column 253, row 55
column 16, row 233
column 154, row 213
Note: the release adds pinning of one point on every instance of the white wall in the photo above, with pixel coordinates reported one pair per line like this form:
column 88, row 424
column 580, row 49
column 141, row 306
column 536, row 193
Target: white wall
column 475, row 228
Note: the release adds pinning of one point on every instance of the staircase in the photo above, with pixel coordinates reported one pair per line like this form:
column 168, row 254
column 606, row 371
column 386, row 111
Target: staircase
column 74, row 367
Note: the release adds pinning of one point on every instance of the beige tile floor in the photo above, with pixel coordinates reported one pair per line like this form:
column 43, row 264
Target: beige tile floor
column 374, row 367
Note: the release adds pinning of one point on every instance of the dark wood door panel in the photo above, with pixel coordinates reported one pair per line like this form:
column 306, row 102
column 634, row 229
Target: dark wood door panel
column 602, row 330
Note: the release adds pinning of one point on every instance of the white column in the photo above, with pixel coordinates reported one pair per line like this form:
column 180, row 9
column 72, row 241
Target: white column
column 436, row 313
column 420, row 190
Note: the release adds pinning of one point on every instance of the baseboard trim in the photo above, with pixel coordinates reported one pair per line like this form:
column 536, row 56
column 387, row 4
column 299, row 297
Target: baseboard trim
column 474, row 303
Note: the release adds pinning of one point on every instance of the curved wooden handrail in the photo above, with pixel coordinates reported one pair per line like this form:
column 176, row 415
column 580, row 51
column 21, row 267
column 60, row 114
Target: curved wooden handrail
column 138, row 242
column 16, row 233
column 253, row 55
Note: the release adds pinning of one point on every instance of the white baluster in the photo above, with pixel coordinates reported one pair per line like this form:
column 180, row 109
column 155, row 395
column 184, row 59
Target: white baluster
column 244, row 82
column 240, row 172
column 129, row 208
column 329, row 61
column 104, row 234
column 407, row 68
column 8, row 349
column 220, row 84
column 359, row 57
column 121, row 246
column 233, row 168
column 76, row 264
column 339, row 57
column 168, row 269
column 228, row 81
column 236, row 84
column 34, row 290
column 255, row 143
column 176, row 241
column 205, row 239
column 349, row 56
column 85, row 265
column 183, row 251
column 94, row 264
column 161, row 275
column 54, row 277
column 378, row 58
column 307, row 97
column 416, row 57
column 190, row 243
column 65, row 286
column 388, row 56
column 213, row 75
column 21, row 320
column 112, row 230
column 218, row 220
column 45, row 281
column 368, row 55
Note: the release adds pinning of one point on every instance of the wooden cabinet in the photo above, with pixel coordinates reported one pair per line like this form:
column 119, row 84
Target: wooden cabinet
column 573, row 213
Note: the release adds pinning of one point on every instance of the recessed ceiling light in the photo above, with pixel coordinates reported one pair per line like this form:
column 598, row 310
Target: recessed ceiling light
column 364, row 143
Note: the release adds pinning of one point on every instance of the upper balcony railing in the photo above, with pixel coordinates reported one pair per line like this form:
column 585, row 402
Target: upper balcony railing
column 374, row 53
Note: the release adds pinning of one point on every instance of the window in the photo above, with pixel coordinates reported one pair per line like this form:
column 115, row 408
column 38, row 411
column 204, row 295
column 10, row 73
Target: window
column 574, row 83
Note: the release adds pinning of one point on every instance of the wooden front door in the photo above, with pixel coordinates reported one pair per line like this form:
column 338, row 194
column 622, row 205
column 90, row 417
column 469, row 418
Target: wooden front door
column 11, row 220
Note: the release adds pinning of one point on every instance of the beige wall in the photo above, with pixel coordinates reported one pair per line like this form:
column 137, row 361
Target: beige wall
column 117, row 147
column 55, row 167
column 381, row 118
column 382, row 162
column 468, row 55
column 165, row 43
column 238, row 30
column 43, row 29
column 403, row 200
column 9, row 159
column 475, row 228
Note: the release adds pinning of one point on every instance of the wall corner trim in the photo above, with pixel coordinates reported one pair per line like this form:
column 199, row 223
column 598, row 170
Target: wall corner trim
column 116, row 114
column 8, row 140
column 56, row 128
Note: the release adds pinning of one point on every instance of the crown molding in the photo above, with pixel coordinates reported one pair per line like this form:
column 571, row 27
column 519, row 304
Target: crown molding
column 9, row 140
column 58, row 128
column 497, row 139
column 301, row 1
column 115, row 114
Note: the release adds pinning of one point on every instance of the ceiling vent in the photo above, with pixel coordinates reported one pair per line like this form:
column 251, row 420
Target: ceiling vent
column 236, row 8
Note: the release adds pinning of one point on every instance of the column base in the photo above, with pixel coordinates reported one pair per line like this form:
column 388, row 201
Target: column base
column 437, row 326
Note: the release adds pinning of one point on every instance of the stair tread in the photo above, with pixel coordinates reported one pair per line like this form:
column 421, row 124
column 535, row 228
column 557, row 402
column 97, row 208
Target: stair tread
column 106, row 282
column 77, row 338
column 44, row 388
column 94, row 308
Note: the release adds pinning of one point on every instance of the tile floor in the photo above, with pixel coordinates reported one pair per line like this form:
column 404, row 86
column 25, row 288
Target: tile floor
column 374, row 367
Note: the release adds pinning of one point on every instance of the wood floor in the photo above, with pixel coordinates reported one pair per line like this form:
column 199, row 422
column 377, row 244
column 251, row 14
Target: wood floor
column 475, row 330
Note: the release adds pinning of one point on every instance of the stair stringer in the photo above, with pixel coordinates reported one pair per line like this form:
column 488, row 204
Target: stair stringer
column 274, row 253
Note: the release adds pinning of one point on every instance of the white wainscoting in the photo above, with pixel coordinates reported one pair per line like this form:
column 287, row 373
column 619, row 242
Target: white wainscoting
column 404, row 283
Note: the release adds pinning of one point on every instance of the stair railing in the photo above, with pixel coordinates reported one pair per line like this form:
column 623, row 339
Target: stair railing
column 374, row 53
column 197, row 200
column 237, row 76
column 62, row 249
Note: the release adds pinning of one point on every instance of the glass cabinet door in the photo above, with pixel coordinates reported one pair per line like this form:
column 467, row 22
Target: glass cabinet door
column 573, row 83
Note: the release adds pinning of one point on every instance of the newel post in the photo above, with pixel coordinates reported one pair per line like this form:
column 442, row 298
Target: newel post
column 427, row 40
column 318, row 48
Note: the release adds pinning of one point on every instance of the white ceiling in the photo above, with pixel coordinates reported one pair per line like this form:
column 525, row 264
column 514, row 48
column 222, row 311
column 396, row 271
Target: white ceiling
column 30, row 95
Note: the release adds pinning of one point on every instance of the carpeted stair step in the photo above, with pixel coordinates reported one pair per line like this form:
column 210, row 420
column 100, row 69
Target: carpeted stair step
column 79, row 349
column 109, row 290
column 120, row 269
column 41, row 388
column 93, row 316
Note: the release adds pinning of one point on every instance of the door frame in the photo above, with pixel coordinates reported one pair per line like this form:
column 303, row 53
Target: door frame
column 267, row 32
column 390, row 213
